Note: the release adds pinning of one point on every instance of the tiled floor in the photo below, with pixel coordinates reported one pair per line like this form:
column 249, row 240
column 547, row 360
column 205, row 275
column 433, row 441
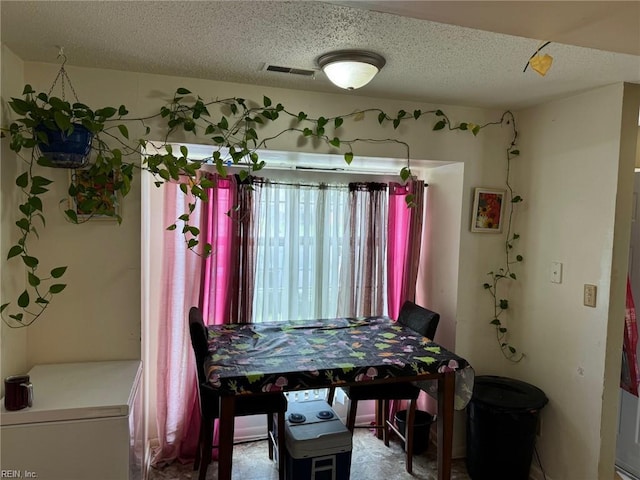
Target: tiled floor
column 371, row 460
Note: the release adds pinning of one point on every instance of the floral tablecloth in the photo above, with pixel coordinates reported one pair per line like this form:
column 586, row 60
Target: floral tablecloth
column 300, row 355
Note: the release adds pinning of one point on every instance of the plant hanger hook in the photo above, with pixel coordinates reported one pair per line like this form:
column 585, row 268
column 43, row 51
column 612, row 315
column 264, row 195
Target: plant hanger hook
column 62, row 75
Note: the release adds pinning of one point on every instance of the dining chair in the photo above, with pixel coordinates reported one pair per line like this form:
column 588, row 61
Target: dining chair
column 424, row 322
column 269, row 404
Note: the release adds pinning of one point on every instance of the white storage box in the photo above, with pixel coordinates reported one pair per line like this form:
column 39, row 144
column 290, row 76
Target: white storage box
column 85, row 423
column 318, row 443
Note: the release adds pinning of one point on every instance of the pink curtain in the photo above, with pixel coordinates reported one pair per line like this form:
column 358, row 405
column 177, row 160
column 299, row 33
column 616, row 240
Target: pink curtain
column 219, row 231
column 403, row 249
column 630, row 376
column 210, row 283
column 176, row 381
column 403, row 244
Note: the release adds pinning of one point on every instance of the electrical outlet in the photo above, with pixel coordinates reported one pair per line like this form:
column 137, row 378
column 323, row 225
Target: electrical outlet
column 590, row 292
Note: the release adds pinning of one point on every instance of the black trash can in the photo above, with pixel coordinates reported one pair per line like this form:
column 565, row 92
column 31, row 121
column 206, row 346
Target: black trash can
column 421, row 426
column 502, row 420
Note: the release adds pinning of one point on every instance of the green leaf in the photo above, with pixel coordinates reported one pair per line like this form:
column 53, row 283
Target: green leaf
column 439, row 113
column 337, row 122
column 24, row 224
column 463, row 126
column 348, row 158
column 486, row 286
column 71, row 215
column 183, row 91
column 23, row 300
column 439, row 125
column 335, row 142
column 19, row 106
column 31, row 262
column 57, row 287
column 515, row 152
column 34, row 281
column 405, row 174
column 475, row 130
column 504, row 304
column 58, row 272
column 417, row 114
column 23, row 180
column 381, row 117
column 106, row 112
column 519, row 258
column 302, row 116
column 513, row 275
column 62, row 121
column 516, row 199
column 124, row 131
column 35, row 203
column 172, row 227
column 266, row 101
column 15, row 250
column 495, row 321
column 3, row 306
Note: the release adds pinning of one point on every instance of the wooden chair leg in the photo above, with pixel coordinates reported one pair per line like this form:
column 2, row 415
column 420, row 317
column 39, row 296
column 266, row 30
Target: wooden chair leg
column 206, row 433
column 379, row 419
column 352, row 409
column 270, row 434
column 411, row 415
column 330, row 395
column 282, row 448
column 196, row 461
column 385, row 420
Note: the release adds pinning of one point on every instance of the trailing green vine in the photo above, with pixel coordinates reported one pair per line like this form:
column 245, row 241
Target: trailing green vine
column 235, row 137
column 505, row 273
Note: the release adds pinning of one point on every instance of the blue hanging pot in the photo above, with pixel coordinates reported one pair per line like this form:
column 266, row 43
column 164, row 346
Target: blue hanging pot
column 66, row 150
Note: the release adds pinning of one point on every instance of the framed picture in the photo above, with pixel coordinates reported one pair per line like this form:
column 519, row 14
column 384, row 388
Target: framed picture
column 106, row 205
column 488, row 210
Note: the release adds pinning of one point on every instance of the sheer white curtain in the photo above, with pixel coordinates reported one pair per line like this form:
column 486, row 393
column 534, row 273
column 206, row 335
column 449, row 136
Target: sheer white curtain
column 299, row 249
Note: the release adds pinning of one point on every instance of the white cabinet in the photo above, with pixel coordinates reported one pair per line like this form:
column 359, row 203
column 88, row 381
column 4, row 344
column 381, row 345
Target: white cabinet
column 85, row 424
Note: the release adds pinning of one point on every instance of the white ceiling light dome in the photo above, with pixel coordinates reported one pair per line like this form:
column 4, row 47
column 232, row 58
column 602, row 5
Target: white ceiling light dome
column 351, row 69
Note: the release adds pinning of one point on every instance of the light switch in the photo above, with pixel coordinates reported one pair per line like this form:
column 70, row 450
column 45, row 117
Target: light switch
column 590, row 293
column 556, row 272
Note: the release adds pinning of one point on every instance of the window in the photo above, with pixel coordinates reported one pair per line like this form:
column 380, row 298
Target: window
column 299, row 239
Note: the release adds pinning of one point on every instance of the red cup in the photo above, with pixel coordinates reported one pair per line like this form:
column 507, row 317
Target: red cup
column 18, row 392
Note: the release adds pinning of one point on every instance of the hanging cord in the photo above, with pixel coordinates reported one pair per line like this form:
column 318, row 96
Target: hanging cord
column 62, row 75
column 534, row 54
column 535, row 449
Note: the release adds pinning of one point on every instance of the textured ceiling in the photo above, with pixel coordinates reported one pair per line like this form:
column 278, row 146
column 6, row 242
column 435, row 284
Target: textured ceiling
column 426, row 61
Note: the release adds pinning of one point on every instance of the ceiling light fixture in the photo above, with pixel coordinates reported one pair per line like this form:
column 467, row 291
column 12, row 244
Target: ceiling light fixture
column 351, row 69
column 539, row 63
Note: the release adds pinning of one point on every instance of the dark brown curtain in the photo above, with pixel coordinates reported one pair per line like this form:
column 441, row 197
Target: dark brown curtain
column 363, row 268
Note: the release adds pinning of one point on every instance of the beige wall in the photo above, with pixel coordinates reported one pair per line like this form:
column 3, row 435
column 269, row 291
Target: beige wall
column 575, row 213
column 99, row 315
column 13, row 342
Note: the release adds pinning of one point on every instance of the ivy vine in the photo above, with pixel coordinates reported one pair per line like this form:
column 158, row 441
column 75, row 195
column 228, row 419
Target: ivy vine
column 235, row 136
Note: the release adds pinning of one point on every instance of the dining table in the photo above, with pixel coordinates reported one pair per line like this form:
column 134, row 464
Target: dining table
column 263, row 358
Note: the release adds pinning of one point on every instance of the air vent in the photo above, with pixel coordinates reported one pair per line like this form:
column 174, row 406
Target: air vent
column 293, row 71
